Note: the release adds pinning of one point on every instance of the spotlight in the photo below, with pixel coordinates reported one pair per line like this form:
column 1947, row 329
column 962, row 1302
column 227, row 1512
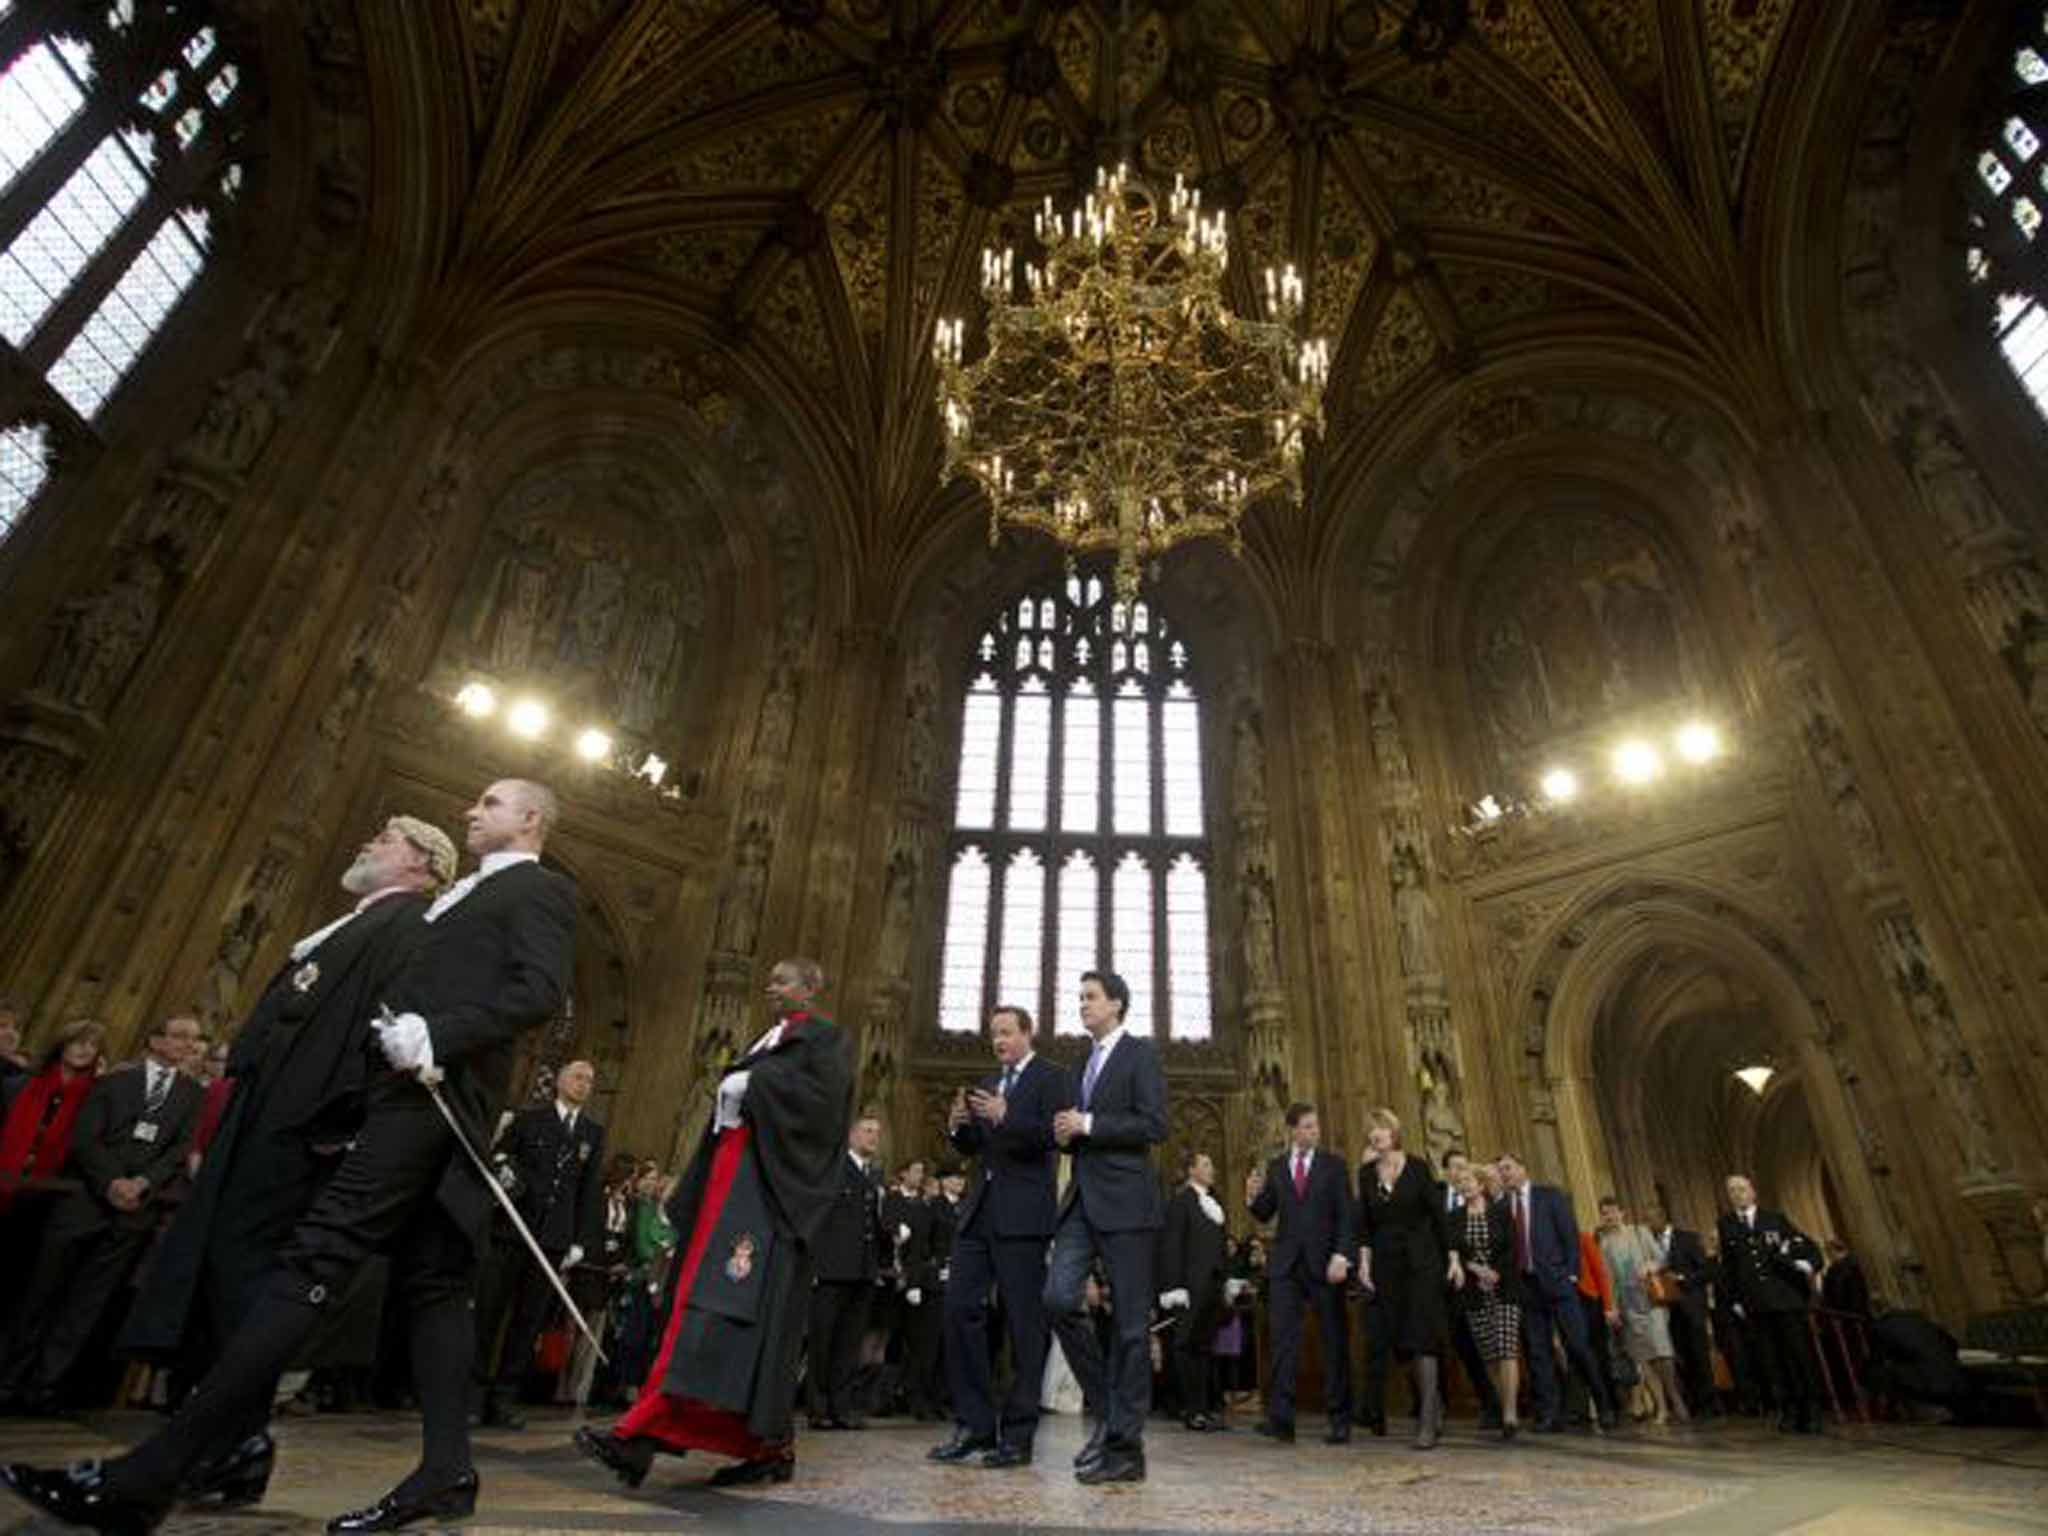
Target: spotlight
column 1560, row 784
column 476, row 700
column 1698, row 742
column 593, row 745
column 528, row 718
column 1756, row 1079
column 1637, row 762
column 653, row 770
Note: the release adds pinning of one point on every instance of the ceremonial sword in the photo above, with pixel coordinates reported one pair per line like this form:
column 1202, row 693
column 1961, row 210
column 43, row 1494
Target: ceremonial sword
column 430, row 1079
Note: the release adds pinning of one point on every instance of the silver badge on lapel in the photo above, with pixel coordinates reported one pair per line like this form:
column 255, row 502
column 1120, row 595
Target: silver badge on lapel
column 582, row 1151
column 306, row 977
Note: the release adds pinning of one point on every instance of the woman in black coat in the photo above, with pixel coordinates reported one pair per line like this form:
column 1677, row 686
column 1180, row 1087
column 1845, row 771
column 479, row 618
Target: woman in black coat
column 1481, row 1233
column 1402, row 1263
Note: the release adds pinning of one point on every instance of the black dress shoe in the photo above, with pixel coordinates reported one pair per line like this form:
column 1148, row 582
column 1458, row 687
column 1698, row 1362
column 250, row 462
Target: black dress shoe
column 400, row 1507
column 1200, row 1423
column 1119, row 1464
column 1509, row 1431
column 962, row 1447
column 1339, row 1433
column 1283, row 1433
column 236, row 1477
column 79, row 1495
column 1010, row 1453
column 628, row 1456
column 765, row 1469
column 1607, row 1421
column 1091, row 1450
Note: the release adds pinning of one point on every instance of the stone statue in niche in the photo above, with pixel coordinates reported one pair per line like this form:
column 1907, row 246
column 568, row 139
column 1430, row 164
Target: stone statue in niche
column 1510, row 688
column 1414, row 916
column 1948, row 482
column 522, row 603
column 247, row 925
column 243, row 410
column 100, row 638
column 1830, row 750
column 920, row 743
column 644, row 691
column 899, row 900
column 1388, row 754
column 594, row 616
column 777, row 722
column 1248, row 767
column 1261, row 946
column 739, row 919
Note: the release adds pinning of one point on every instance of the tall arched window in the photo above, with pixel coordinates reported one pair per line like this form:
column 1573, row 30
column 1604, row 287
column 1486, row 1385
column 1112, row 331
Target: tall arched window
column 2008, row 196
column 121, row 129
column 1079, row 838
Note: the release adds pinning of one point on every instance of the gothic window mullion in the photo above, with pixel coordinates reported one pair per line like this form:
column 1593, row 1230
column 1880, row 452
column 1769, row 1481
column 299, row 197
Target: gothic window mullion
column 92, row 286
column 1055, row 832
column 992, row 938
column 52, row 167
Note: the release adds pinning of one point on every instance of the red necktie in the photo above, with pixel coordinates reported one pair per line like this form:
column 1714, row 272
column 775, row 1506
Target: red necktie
column 1300, row 1177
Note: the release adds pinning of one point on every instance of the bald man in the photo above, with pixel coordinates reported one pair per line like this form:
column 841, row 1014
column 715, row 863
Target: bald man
column 550, row 1158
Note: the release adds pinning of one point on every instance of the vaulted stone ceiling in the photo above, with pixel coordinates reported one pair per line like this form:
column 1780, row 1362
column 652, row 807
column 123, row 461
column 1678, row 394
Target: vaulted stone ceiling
column 813, row 179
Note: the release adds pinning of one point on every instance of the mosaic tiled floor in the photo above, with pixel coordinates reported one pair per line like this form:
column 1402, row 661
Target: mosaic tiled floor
column 877, row 1483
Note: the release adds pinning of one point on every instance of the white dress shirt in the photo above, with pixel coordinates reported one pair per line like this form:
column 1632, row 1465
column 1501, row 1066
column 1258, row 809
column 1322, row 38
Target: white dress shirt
column 489, row 865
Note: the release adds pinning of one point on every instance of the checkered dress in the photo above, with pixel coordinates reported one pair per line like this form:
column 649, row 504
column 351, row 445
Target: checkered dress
column 1496, row 1324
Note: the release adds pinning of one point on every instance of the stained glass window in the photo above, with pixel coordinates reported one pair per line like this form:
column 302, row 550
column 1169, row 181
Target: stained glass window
column 1079, row 835
column 121, row 136
column 2007, row 191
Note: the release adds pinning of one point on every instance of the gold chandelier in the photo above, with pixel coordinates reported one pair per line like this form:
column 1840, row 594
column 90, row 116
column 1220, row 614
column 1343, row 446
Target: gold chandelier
column 1120, row 404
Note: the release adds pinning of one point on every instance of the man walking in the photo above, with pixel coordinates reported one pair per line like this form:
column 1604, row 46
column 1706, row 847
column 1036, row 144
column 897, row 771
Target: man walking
column 1306, row 1267
column 1547, row 1254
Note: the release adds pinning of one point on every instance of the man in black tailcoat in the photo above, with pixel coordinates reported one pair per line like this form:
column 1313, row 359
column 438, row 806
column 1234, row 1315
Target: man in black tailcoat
column 999, row 1241
column 1191, row 1272
column 1307, row 1263
column 550, row 1159
column 300, row 1071
column 127, row 1146
column 1113, row 1210
column 907, row 1224
column 494, row 964
column 1769, row 1266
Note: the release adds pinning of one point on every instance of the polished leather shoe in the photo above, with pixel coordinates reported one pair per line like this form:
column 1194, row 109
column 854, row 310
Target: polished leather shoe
column 235, row 1478
column 1339, row 1433
column 1607, row 1421
column 767, row 1469
column 962, row 1447
column 79, row 1495
column 630, row 1457
column 1118, row 1465
column 1009, row 1454
column 1282, row 1433
column 1091, row 1449
column 400, row 1508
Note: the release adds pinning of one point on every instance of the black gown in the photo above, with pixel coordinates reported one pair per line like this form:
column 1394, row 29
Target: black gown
column 1403, row 1227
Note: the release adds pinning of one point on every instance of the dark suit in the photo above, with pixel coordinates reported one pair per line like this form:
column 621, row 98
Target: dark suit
column 846, row 1256
column 1314, row 1227
column 1453, row 1211
column 88, row 1247
column 916, row 1326
column 484, row 971
column 1004, row 1224
column 1686, row 1259
column 558, row 1171
column 1192, row 1259
column 1548, row 1260
column 1760, row 1261
column 1113, row 1209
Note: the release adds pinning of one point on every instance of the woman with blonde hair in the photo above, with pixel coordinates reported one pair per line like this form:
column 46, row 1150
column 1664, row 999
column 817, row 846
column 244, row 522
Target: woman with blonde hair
column 1482, row 1234
column 1631, row 1256
column 1403, row 1265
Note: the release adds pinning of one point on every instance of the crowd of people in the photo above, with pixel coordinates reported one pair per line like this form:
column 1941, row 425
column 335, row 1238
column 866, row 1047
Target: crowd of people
column 337, row 1197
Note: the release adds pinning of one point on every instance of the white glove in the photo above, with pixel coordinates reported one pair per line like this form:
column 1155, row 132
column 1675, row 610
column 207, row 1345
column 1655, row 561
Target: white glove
column 902, row 1231
column 945, row 1273
column 732, row 1092
column 508, row 1177
column 572, row 1258
column 1802, row 1266
column 1173, row 1300
column 914, row 1296
column 1737, row 1310
column 1232, row 1289
column 406, row 1043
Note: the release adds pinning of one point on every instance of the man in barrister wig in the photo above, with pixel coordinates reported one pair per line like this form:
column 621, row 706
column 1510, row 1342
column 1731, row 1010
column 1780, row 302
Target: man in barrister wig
column 762, row 1182
column 299, row 1070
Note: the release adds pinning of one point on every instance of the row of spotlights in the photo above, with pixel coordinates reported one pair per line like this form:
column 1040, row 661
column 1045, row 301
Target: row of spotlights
column 1637, row 761
column 529, row 719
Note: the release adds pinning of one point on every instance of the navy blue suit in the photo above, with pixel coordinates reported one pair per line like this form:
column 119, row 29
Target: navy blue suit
column 1114, row 1207
column 1314, row 1227
column 1005, row 1223
column 1549, row 1261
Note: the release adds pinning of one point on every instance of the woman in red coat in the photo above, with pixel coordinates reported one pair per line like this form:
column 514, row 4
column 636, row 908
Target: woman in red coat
column 35, row 1139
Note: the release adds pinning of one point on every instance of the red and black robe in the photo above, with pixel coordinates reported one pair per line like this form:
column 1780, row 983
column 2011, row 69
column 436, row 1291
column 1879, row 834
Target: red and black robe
column 751, row 1201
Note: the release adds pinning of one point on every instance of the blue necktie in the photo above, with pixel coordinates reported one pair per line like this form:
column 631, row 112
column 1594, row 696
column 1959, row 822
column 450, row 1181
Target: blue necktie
column 1009, row 1077
column 1088, row 1077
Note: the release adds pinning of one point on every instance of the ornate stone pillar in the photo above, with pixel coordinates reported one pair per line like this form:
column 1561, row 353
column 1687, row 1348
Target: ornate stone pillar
column 1268, row 1058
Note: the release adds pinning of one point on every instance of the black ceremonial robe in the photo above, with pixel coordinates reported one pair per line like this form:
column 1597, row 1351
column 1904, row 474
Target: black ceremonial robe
column 750, row 1203
column 300, row 1065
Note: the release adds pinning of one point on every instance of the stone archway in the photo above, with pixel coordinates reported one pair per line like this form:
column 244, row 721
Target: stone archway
column 1595, row 1139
